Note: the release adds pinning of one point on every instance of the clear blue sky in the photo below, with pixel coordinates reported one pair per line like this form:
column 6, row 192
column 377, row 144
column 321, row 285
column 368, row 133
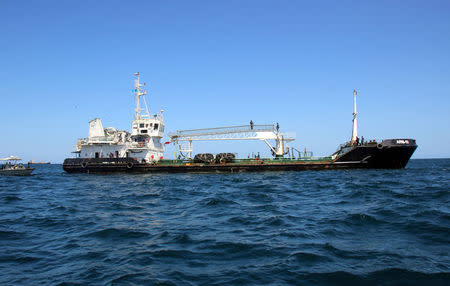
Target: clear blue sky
column 219, row 63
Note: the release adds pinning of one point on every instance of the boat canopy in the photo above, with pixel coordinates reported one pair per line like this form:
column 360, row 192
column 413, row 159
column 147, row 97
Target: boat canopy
column 10, row 158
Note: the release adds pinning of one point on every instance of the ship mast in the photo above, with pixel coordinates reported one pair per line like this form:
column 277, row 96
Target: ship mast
column 355, row 120
column 138, row 92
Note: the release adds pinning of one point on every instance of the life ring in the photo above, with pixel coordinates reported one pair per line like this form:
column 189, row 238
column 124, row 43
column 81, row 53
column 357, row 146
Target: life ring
column 140, row 144
column 380, row 146
column 129, row 165
column 84, row 164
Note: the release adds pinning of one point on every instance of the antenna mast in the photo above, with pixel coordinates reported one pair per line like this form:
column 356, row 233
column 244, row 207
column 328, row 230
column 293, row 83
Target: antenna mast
column 138, row 92
column 355, row 120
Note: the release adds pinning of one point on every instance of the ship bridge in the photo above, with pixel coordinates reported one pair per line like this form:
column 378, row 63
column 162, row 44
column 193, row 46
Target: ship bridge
column 240, row 132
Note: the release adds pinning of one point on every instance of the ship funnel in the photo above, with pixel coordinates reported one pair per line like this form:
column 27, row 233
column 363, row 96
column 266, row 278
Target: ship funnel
column 96, row 128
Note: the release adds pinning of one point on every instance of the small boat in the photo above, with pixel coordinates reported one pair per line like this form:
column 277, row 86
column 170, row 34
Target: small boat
column 13, row 168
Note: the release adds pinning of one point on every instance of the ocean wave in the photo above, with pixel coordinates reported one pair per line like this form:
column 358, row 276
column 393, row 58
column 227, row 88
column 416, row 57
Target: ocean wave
column 308, row 257
column 173, row 253
column 12, row 198
column 117, row 233
column 19, row 258
column 183, row 238
column 361, row 218
column 11, row 235
column 218, row 201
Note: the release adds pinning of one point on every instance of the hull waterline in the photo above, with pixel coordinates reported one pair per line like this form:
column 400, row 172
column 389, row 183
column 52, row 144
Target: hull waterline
column 387, row 155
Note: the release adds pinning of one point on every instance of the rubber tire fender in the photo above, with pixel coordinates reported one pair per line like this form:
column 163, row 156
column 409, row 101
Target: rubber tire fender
column 380, row 146
column 130, row 165
column 84, row 165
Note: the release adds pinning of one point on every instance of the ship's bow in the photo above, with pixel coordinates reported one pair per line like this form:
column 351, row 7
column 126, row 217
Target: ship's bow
column 389, row 154
column 394, row 153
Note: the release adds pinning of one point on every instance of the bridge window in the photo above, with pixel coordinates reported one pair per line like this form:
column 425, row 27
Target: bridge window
column 144, row 131
column 155, row 127
column 142, row 125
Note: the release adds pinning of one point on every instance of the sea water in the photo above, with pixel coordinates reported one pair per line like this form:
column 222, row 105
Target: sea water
column 337, row 227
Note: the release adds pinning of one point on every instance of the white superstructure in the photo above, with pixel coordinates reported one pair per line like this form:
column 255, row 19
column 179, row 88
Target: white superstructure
column 142, row 143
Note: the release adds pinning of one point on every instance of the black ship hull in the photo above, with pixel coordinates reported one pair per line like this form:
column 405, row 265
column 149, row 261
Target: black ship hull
column 389, row 154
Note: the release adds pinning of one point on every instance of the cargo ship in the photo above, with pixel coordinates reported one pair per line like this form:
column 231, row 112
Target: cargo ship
column 108, row 150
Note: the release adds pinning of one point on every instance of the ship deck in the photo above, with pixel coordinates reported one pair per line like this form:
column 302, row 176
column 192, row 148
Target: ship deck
column 251, row 161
